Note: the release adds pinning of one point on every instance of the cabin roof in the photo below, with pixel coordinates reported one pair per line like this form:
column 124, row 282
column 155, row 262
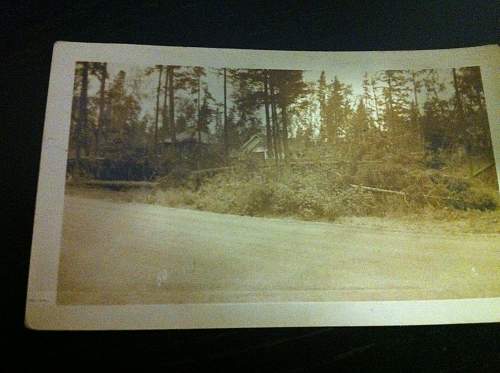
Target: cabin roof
column 255, row 144
column 190, row 135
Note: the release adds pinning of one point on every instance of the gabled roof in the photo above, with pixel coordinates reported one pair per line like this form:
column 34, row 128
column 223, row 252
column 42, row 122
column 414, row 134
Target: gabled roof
column 255, row 143
column 190, row 135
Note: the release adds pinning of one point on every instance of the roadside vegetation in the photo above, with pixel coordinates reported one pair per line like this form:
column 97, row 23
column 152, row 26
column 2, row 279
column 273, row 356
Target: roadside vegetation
column 281, row 143
column 416, row 198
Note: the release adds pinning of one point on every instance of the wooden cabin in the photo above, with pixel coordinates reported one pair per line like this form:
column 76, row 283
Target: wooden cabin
column 187, row 142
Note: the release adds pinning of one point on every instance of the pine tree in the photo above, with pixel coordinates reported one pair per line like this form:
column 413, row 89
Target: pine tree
column 396, row 94
column 225, row 141
column 157, row 113
column 171, row 104
column 436, row 119
column 99, row 70
column 207, row 110
column 416, row 85
column 164, row 113
column 322, row 98
column 247, row 100
column 122, row 133
column 304, row 118
column 195, row 84
column 358, row 137
column 290, row 86
column 82, row 115
column 470, row 107
column 338, row 111
column 269, row 134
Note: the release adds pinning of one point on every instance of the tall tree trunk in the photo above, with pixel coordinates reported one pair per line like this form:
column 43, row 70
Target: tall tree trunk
column 479, row 98
column 375, row 101
column 415, row 93
column 102, row 102
column 225, row 118
column 218, row 120
column 199, row 111
column 171, row 105
column 284, row 119
column 466, row 137
column 438, row 100
column 164, row 112
column 268, row 121
column 390, row 103
column 198, row 150
column 432, row 89
column 82, row 120
column 275, row 124
column 109, row 117
column 458, row 103
column 418, row 123
column 158, row 89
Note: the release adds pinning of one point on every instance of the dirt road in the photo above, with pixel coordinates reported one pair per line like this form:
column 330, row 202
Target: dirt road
column 125, row 253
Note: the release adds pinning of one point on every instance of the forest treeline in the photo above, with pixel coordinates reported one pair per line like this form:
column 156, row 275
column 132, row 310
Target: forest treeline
column 403, row 140
column 398, row 112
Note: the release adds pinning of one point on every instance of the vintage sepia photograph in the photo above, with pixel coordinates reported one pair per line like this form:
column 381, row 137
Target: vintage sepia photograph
column 200, row 188
column 193, row 184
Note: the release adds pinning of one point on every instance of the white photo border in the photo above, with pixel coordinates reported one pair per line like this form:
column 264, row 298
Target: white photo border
column 43, row 313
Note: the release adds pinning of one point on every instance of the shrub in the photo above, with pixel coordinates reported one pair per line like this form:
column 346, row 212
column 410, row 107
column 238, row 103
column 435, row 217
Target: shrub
column 474, row 198
column 433, row 188
column 178, row 177
column 321, row 192
column 349, row 202
column 254, row 199
column 385, row 175
column 171, row 197
column 310, row 194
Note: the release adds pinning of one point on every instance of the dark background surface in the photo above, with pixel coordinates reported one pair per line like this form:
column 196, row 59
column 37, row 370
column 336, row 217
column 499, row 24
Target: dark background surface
column 29, row 30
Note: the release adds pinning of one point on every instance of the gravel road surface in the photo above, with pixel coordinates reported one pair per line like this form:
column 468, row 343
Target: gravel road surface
column 127, row 253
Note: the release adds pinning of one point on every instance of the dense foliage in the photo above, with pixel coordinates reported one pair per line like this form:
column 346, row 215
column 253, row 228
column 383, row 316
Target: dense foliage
column 408, row 139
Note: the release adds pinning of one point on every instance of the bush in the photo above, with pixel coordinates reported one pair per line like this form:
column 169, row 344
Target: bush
column 309, row 195
column 178, row 177
column 321, row 192
column 474, row 198
column 254, row 199
column 171, row 197
column 433, row 188
column 385, row 175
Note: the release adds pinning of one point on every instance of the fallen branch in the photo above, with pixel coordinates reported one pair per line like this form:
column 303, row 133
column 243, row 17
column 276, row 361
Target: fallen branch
column 481, row 170
column 119, row 183
column 380, row 190
column 208, row 170
column 332, row 162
